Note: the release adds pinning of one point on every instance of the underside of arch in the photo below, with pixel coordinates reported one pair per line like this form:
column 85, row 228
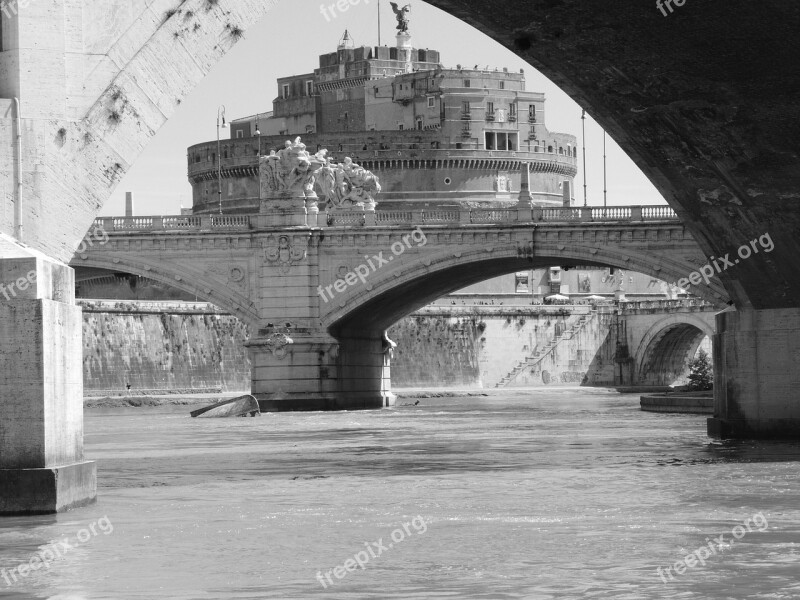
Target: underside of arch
column 190, row 282
column 665, row 358
column 399, row 296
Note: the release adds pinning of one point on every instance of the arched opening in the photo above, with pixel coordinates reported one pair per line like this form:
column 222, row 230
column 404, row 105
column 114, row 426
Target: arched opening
column 142, row 336
column 666, row 357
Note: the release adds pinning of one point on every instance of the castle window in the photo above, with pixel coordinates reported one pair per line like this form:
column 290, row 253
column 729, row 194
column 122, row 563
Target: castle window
column 420, row 123
column 239, row 133
column 502, row 85
column 431, row 102
column 309, row 87
column 285, row 90
column 466, row 83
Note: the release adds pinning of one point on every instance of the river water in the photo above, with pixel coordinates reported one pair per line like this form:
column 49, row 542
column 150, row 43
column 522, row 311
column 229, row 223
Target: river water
column 552, row 493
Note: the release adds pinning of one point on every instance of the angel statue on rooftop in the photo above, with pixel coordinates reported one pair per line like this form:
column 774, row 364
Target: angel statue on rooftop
column 402, row 16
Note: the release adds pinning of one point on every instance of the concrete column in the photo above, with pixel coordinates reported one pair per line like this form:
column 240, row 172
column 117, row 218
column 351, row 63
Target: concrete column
column 42, row 468
column 756, row 379
column 128, row 204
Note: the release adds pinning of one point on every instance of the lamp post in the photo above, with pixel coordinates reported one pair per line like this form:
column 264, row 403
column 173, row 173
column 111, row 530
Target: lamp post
column 605, row 191
column 258, row 133
column 583, row 129
column 224, row 125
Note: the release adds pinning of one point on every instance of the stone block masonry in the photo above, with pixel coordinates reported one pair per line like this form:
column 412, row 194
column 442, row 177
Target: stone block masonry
column 162, row 347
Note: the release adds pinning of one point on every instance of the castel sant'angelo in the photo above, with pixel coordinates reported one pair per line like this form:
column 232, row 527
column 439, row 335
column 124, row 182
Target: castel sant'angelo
column 433, row 136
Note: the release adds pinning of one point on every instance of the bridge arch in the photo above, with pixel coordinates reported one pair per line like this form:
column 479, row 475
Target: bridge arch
column 390, row 297
column 661, row 356
column 187, row 279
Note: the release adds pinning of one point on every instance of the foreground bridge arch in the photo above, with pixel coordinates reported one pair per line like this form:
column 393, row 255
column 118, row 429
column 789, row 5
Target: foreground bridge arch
column 715, row 131
column 664, row 348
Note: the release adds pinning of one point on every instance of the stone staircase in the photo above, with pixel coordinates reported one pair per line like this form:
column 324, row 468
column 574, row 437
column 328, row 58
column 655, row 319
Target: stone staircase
column 541, row 353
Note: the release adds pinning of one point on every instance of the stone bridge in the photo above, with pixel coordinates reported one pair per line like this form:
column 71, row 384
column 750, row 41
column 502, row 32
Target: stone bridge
column 322, row 297
column 662, row 334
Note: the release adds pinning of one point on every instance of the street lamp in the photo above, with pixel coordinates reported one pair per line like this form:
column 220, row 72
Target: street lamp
column 224, row 125
column 583, row 128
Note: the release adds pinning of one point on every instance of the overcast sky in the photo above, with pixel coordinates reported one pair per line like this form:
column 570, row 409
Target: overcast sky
column 289, row 40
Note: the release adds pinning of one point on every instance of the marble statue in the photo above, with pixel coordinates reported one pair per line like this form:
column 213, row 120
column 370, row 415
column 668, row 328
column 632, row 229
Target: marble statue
column 348, row 184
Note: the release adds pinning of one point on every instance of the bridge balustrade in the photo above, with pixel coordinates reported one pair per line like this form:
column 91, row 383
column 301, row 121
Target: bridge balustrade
column 383, row 218
column 493, row 215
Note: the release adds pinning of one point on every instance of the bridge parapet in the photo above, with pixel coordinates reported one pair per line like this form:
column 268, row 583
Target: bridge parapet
column 668, row 305
column 381, row 218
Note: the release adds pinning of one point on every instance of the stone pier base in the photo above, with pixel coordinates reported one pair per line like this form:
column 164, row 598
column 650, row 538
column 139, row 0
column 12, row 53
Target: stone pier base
column 305, row 371
column 48, row 490
column 757, row 375
column 42, row 469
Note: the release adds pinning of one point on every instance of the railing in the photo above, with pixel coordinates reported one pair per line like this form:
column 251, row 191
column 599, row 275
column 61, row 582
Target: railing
column 658, row 212
column 339, row 219
column 382, row 218
column 559, row 214
column 393, row 217
column 174, row 223
column 665, row 304
column 493, row 215
column 181, row 222
column 230, row 222
column 441, row 216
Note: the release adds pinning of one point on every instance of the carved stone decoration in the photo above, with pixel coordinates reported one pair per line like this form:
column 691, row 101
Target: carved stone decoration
column 348, row 185
column 284, row 252
column 278, row 342
column 290, row 172
column 237, row 274
column 232, row 274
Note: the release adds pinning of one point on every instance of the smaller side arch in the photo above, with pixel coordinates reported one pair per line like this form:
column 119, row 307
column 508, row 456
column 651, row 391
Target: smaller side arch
column 662, row 353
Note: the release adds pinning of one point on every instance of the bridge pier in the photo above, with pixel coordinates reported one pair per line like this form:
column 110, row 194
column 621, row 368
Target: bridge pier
column 298, row 370
column 42, row 469
column 756, row 378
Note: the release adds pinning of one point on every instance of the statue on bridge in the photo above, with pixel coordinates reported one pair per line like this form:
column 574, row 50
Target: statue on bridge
column 291, row 171
column 402, row 16
column 348, row 185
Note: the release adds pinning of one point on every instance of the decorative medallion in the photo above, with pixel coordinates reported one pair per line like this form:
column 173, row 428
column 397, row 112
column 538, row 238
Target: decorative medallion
column 285, row 253
column 278, row 342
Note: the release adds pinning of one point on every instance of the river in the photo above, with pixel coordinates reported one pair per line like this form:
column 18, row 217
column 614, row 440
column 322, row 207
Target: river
column 551, row 493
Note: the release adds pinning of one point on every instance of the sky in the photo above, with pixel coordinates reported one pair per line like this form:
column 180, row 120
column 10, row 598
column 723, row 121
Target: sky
column 289, row 40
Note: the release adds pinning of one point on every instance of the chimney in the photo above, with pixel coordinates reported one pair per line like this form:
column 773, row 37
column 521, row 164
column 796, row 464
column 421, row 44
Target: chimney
column 566, row 194
column 128, row 204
